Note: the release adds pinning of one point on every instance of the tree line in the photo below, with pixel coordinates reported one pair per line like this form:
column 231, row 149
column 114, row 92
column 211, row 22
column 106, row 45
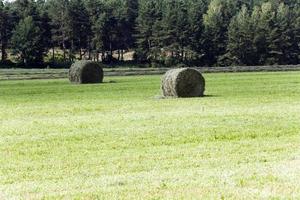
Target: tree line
column 159, row 32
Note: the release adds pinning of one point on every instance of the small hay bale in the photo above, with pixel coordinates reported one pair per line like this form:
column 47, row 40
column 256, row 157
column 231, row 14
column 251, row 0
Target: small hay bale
column 84, row 72
column 183, row 82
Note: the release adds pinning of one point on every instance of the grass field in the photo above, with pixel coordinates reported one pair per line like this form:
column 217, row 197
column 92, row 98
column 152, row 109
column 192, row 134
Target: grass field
column 119, row 141
column 31, row 74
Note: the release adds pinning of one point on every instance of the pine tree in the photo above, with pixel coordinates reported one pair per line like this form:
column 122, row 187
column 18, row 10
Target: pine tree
column 176, row 30
column 110, row 31
column 26, row 8
column 240, row 39
column 216, row 22
column 80, row 26
column 280, row 38
column 95, row 10
column 197, row 9
column 44, row 23
column 31, row 17
column 123, row 29
column 4, row 30
column 262, row 19
column 98, row 30
column 296, row 33
column 60, row 22
column 131, row 16
column 27, row 42
column 150, row 15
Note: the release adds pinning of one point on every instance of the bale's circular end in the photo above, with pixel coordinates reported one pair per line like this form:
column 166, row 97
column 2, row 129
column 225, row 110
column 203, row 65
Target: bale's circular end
column 184, row 82
column 84, row 72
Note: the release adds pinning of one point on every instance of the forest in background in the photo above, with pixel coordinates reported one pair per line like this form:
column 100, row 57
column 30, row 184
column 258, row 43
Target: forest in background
column 158, row 32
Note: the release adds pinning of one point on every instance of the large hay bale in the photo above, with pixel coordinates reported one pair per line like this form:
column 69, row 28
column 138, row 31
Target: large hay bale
column 184, row 82
column 84, row 72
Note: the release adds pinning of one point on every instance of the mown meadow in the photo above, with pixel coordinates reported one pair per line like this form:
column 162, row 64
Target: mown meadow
column 120, row 140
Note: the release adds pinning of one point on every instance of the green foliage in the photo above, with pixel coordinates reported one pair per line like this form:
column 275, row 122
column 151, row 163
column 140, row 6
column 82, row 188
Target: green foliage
column 280, row 38
column 148, row 26
column 240, row 46
column 195, row 15
column 6, row 27
column 176, row 29
column 79, row 27
column 266, row 36
column 165, row 32
column 216, row 21
column 27, row 42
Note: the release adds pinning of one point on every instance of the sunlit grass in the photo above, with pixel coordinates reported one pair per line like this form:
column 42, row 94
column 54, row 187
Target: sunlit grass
column 119, row 141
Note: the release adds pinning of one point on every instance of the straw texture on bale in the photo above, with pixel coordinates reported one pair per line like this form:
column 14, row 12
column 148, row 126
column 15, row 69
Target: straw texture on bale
column 84, row 72
column 184, row 82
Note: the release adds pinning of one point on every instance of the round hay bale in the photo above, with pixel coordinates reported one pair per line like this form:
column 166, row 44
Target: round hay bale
column 184, row 82
column 84, row 72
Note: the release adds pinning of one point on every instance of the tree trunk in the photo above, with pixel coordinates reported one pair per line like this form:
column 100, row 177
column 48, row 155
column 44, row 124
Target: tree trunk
column 149, row 44
column 111, row 52
column 3, row 52
column 102, row 56
column 80, row 54
column 122, row 55
column 89, row 54
column 71, row 51
column 53, row 54
column 80, row 50
column 89, row 48
column 25, row 62
column 64, row 51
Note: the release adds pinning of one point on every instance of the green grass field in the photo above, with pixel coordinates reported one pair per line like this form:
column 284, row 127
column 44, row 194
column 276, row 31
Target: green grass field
column 119, row 141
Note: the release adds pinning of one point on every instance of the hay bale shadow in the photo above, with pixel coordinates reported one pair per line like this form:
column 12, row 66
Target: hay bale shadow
column 161, row 97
